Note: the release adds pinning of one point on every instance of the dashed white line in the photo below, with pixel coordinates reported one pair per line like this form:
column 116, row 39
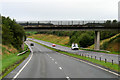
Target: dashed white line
column 68, row 78
column 93, row 65
column 60, row 68
column 55, row 62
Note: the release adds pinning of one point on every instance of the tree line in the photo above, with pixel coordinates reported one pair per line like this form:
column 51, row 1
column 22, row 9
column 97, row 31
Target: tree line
column 12, row 33
column 83, row 38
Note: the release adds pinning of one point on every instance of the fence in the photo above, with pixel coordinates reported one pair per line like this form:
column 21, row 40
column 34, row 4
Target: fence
column 95, row 57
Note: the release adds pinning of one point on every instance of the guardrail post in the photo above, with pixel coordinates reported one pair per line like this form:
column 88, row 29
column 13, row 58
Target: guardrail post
column 95, row 57
column 91, row 57
column 105, row 60
column 112, row 62
column 88, row 56
column 119, row 63
column 80, row 54
column 100, row 58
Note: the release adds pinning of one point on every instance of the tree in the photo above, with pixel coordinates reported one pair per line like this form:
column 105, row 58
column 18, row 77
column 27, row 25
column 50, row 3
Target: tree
column 12, row 33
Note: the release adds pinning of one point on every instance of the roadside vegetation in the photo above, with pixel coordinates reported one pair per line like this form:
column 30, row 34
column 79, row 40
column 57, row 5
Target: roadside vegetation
column 12, row 33
column 61, row 40
column 10, row 60
column 113, row 67
column 12, row 40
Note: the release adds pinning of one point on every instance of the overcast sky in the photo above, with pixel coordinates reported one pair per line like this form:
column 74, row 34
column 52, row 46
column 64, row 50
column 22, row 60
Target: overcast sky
column 25, row 10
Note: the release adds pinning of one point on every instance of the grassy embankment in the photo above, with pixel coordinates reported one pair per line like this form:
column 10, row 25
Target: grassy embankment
column 10, row 60
column 114, row 67
column 65, row 40
column 111, row 44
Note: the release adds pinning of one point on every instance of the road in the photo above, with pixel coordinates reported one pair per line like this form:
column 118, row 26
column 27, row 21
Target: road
column 103, row 56
column 46, row 63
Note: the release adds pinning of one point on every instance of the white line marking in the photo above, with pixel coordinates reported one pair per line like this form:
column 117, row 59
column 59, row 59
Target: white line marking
column 55, row 62
column 92, row 65
column 25, row 64
column 68, row 78
column 60, row 68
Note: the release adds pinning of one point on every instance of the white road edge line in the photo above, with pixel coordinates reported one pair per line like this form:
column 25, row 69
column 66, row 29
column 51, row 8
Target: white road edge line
column 25, row 63
column 94, row 65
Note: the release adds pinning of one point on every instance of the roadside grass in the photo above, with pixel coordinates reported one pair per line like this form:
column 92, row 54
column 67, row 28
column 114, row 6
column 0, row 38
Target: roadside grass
column 118, row 53
column 114, row 67
column 110, row 44
column 64, row 40
column 11, row 61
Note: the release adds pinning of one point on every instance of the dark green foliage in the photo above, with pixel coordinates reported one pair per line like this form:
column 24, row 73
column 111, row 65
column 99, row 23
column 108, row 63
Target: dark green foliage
column 12, row 33
column 110, row 23
column 105, row 45
column 107, row 34
column 85, row 40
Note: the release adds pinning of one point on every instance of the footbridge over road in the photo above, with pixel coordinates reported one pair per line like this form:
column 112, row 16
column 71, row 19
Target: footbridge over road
column 96, row 26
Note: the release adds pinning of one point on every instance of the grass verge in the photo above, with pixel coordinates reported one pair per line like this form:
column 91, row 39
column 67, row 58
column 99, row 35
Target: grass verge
column 118, row 53
column 11, row 61
column 114, row 67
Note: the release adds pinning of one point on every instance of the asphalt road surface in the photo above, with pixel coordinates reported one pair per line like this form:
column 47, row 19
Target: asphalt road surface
column 45, row 63
column 103, row 56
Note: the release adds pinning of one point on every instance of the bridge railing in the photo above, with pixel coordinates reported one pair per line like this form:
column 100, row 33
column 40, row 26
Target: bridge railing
column 68, row 23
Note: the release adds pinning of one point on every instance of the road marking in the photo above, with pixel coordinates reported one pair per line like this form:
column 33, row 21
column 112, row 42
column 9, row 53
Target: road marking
column 60, row 68
column 93, row 65
column 52, row 59
column 68, row 78
column 55, row 62
column 25, row 64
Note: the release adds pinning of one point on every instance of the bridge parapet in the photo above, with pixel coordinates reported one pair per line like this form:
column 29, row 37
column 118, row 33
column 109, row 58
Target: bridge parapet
column 70, row 23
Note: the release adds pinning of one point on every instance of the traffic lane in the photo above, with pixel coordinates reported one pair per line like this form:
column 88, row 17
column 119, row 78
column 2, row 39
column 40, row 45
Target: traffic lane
column 103, row 56
column 76, row 69
column 41, row 66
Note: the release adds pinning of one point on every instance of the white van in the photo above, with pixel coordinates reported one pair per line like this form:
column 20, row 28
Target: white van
column 74, row 46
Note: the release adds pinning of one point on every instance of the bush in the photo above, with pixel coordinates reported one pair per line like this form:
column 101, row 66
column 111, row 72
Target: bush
column 12, row 33
column 85, row 40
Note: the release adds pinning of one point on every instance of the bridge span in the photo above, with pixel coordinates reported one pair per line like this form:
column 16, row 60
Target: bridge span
column 96, row 26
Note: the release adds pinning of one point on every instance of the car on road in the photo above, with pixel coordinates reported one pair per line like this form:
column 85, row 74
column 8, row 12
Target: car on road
column 53, row 45
column 31, row 44
column 74, row 46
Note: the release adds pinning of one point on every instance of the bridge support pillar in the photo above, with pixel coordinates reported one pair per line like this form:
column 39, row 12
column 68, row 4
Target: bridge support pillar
column 97, row 40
